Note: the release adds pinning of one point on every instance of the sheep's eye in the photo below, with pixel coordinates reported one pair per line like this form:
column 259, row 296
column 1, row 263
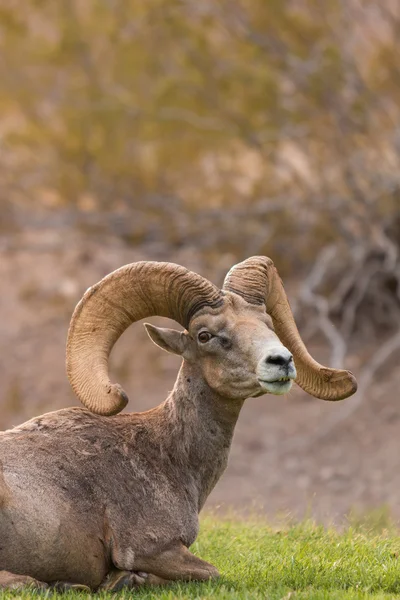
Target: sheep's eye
column 204, row 336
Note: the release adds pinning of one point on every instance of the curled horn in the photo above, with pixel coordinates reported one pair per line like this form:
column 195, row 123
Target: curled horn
column 133, row 292
column 257, row 281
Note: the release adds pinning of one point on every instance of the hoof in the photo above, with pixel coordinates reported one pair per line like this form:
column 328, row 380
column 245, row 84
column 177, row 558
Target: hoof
column 119, row 580
column 9, row 581
column 65, row 586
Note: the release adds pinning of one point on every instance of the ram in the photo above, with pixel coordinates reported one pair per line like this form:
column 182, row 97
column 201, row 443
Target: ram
column 90, row 497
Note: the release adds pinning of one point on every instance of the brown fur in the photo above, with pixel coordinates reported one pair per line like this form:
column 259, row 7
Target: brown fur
column 115, row 490
column 94, row 500
column 4, row 491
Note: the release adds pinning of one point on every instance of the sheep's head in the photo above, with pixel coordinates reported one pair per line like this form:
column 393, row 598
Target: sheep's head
column 243, row 337
column 235, row 348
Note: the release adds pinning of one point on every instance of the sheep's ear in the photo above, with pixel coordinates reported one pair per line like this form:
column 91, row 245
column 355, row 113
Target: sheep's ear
column 168, row 339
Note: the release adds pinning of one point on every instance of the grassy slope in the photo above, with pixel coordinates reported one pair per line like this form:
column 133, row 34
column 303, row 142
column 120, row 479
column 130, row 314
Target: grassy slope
column 302, row 561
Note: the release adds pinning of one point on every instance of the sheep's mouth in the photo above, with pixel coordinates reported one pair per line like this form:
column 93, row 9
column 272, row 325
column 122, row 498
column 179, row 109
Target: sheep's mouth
column 277, row 386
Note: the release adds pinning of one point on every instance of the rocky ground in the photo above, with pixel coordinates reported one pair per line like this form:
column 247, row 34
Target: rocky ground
column 294, row 454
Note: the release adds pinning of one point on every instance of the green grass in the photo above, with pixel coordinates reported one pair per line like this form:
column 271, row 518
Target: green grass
column 296, row 562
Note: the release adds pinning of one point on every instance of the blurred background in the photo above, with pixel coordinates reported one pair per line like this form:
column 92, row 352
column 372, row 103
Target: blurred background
column 203, row 133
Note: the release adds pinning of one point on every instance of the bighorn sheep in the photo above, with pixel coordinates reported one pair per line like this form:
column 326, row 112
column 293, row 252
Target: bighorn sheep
column 90, row 497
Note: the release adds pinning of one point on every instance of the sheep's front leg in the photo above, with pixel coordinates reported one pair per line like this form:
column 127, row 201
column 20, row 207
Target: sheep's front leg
column 176, row 563
column 12, row 581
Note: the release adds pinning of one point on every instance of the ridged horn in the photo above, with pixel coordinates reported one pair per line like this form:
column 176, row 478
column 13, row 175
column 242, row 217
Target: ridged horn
column 257, row 281
column 133, row 292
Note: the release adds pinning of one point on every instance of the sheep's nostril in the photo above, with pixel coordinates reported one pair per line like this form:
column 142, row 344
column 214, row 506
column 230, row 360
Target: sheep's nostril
column 279, row 359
